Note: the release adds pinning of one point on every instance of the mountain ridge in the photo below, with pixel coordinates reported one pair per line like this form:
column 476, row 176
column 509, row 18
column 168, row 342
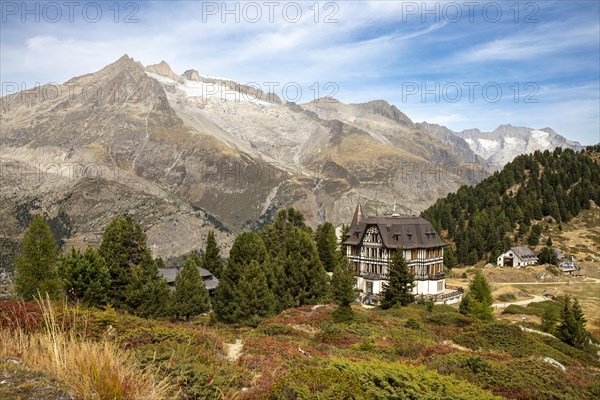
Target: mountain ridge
column 233, row 152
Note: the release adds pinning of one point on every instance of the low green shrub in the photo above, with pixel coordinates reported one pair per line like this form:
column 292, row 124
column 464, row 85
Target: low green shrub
column 342, row 379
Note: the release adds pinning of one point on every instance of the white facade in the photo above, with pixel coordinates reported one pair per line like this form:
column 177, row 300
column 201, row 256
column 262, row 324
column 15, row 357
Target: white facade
column 371, row 266
column 515, row 258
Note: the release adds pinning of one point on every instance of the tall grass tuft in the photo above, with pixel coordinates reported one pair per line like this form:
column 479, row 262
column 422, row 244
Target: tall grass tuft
column 96, row 370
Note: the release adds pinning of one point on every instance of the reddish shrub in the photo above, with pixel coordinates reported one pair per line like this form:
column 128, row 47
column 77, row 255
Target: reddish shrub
column 20, row 315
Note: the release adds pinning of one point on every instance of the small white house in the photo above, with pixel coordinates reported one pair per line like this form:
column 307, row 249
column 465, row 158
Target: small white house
column 517, row 257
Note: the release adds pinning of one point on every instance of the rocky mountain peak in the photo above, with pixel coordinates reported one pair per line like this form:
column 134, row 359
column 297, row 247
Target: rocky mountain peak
column 385, row 109
column 191, row 75
column 164, row 69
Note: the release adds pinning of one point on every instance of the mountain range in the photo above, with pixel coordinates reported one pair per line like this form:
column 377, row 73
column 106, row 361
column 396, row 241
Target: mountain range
column 184, row 153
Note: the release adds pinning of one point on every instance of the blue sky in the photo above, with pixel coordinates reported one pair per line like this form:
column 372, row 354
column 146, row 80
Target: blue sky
column 441, row 62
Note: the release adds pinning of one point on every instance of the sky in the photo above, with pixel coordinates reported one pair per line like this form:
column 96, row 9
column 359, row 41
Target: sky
column 463, row 64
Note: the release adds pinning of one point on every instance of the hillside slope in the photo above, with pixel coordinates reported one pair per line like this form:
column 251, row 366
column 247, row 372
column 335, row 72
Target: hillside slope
column 510, row 206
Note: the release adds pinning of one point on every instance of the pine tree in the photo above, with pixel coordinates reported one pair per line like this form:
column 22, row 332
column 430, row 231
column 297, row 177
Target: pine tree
column 233, row 303
column 549, row 241
column 549, row 319
column 571, row 329
column 85, row 277
column 478, row 301
column 123, row 247
column 191, row 296
column 547, row 256
column 212, row 256
column 342, row 283
column 256, row 300
column 36, row 266
column 303, row 279
column 479, row 289
column 342, row 290
column 327, row 246
column 275, row 233
column 534, row 236
column 473, row 257
column 146, row 294
column 449, row 258
column 399, row 288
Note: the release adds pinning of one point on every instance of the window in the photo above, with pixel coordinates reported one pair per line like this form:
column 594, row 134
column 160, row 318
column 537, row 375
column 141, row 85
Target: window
column 440, row 286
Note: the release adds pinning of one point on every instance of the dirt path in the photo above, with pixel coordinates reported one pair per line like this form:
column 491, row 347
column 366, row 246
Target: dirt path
column 536, row 299
column 587, row 280
column 234, row 350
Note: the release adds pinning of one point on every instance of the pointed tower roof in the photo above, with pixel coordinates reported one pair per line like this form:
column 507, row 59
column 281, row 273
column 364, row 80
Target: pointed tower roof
column 358, row 215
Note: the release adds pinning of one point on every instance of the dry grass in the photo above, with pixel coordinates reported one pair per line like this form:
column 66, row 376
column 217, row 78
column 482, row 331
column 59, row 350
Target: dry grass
column 90, row 369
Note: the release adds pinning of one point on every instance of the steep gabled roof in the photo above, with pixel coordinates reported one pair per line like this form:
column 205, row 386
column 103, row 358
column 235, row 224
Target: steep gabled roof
column 396, row 231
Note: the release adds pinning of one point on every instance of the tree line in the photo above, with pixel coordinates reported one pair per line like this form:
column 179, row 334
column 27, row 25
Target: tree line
column 508, row 207
column 282, row 266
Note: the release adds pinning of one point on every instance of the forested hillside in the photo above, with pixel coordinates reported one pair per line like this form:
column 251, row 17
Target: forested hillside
column 510, row 206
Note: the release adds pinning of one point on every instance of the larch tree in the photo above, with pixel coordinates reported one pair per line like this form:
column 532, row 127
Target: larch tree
column 36, row 265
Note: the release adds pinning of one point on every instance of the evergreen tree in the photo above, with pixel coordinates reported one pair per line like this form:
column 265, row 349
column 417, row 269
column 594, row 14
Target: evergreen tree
column 547, row 256
column 212, row 256
column 478, row 301
column 275, row 233
column 342, row 290
column 303, row 279
column 146, row 294
column 85, row 277
column 449, row 258
column 571, row 329
column 534, row 236
column 191, row 296
column 549, row 241
column 473, row 257
column 256, row 300
column 327, row 245
column 479, row 289
column 36, row 266
column 549, row 319
column 399, row 288
column 245, row 272
column 123, row 247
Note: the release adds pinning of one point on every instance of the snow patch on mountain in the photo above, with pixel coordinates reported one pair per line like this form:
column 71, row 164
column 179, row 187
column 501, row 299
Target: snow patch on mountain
column 541, row 137
column 209, row 90
column 502, row 145
column 488, row 145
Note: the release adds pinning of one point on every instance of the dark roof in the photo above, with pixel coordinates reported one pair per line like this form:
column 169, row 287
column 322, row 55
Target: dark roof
column 558, row 253
column 524, row 253
column 210, row 281
column 409, row 232
column 168, row 273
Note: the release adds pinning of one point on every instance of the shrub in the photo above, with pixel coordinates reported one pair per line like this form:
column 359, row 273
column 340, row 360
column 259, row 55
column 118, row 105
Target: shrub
column 91, row 369
column 506, row 297
column 412, row 324
column 373, row 380
column 20, row 316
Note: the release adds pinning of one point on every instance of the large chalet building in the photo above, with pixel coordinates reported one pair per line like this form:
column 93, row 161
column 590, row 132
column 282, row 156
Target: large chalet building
column 372, row 242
